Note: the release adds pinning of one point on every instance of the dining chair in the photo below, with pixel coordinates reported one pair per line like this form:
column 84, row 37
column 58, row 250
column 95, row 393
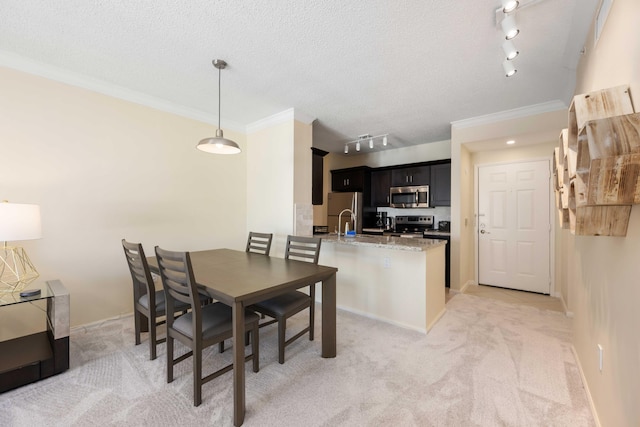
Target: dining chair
column 259, row 243
column 203, row 326
column 144, row 292
column 281, row 307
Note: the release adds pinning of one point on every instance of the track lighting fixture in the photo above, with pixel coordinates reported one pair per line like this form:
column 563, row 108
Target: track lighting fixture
column 362, row 139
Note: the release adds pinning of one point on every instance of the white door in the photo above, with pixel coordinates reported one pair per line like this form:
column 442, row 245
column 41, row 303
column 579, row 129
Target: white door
column 514, row 226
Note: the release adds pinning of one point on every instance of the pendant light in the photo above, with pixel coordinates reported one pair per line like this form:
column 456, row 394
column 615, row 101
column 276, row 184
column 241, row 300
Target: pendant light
column 218, row 144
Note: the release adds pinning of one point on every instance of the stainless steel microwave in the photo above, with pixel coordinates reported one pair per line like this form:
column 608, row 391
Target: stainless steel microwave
column 409, row 197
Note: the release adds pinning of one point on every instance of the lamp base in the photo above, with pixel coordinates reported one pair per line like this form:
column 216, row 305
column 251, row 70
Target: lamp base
column 16, row 270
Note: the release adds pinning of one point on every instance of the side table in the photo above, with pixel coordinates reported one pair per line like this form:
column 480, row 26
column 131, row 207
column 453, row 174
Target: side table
column 30, row 358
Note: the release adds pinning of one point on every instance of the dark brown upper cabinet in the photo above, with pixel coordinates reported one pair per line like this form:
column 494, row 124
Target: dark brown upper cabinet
column 351, row 179
column 440, row 187
column 380, row 184
column 412, row 175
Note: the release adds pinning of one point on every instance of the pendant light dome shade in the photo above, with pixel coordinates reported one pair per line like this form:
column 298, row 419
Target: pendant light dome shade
column 218, row 144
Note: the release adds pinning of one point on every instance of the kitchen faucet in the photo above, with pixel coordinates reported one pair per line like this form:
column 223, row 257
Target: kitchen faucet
column 340, row 218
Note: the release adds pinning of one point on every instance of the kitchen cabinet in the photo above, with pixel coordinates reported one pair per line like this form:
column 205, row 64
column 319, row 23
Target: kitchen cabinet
column 317, row 176
column 440, row 187
column 380, row 184
column 351, row 179
column 411, row 175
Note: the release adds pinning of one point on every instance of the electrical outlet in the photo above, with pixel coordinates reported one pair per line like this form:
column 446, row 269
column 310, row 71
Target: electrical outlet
column 600, row 357
column 386, row 262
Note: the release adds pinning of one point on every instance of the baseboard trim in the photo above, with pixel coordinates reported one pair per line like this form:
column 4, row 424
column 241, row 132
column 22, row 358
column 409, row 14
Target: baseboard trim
column 594, row 413
column 99, row 322
column 435, row 320
column 382, row 319
column 466, row 285
column 564, row 306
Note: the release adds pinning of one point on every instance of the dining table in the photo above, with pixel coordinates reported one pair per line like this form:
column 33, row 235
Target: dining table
column 239, row 279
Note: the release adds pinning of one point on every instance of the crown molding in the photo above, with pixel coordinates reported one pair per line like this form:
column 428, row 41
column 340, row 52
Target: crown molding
column 279, row 118
column 29, row 66
column 516, row 113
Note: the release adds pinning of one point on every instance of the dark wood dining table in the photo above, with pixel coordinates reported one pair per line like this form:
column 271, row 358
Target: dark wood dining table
column 238, row 279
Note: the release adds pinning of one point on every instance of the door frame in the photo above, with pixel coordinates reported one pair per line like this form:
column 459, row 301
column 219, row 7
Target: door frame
column 552, row 221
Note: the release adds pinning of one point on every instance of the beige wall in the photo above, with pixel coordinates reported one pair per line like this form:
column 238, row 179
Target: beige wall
column 278, row 178
column 603, row 271
column 103, row 169
column 270, row 169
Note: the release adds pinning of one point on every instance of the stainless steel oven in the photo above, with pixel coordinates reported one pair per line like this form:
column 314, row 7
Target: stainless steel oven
column 409, row 197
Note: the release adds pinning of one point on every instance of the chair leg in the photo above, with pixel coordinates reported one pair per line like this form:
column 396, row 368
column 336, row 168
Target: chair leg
column 169, row 358
column 312, row 309
column 136, row 321
column 255, row 348
column 152, row 339
column 282, row 326
column 221, row 346
column 197, row 375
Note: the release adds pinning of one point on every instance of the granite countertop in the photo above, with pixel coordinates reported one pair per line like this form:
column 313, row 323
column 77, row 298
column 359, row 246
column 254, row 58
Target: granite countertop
column 415, row 244
column 438, row 233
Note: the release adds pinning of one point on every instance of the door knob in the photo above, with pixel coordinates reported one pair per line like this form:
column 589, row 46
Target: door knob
column 484, row 232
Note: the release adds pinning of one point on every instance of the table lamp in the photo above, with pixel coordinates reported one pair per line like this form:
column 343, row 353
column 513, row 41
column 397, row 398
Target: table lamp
column 17, row 222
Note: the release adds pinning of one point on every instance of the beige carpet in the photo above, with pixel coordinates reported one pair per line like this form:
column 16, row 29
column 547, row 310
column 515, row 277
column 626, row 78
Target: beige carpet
column 485, row 363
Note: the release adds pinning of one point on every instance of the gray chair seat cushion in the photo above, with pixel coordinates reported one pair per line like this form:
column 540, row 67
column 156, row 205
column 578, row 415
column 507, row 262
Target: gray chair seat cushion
column 285, row 303
column 161, row 302
column 216, row 320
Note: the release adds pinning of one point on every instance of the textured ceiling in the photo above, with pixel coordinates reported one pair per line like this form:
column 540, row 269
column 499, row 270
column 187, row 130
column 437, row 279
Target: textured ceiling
column 407, row 68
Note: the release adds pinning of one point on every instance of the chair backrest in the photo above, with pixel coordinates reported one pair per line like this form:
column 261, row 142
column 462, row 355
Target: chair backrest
column 303, row 248
column 178, row 282
column 140, row 273
column 259, row 243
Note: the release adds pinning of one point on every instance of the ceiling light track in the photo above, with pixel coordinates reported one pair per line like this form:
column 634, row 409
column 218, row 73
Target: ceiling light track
column 366, row 139
column 505, row 16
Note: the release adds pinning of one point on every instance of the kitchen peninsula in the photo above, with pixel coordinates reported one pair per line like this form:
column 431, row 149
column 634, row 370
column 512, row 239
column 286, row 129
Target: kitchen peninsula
column 394, row 279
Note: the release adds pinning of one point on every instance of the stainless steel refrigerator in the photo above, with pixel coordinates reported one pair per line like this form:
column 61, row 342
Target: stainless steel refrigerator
column 336, row 203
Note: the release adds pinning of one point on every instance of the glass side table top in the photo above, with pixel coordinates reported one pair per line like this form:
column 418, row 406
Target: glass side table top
column 15, row 298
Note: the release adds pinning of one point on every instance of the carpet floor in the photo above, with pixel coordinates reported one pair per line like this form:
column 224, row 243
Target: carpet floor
column 485, row 363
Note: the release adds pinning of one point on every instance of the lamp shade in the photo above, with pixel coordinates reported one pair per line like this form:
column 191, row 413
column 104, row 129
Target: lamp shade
column 19, row 222
column 218, row 145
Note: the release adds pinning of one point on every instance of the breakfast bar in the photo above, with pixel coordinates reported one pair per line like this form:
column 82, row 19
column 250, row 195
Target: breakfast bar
column 394, row 279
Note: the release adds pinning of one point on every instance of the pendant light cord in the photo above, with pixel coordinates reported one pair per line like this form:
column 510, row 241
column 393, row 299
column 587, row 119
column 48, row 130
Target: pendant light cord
column 219, row 96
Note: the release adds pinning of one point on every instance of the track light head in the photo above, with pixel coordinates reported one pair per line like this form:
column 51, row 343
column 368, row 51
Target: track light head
column 509, row 5
column 509, row 27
